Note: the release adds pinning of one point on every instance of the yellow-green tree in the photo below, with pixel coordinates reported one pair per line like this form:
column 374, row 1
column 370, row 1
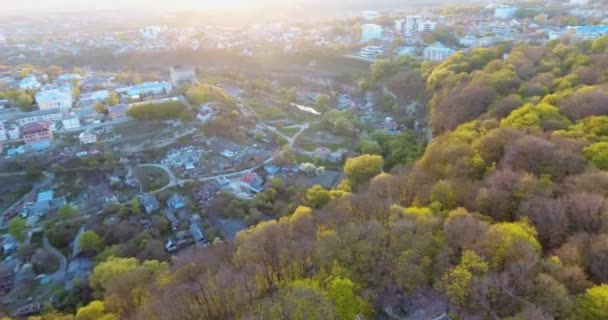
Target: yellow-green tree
column 94, row 311
column 505, row 241
column 90, row 242
column 362, row 168
column 594, row 303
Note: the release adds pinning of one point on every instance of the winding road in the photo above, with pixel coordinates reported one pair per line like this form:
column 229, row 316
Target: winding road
column 59, row 275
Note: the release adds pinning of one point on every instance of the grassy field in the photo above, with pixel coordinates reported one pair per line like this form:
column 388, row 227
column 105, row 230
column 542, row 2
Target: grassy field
column 151, row 178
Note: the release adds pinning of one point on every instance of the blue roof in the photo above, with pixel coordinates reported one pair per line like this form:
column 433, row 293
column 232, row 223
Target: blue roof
column 45, row 196
column 589, row 29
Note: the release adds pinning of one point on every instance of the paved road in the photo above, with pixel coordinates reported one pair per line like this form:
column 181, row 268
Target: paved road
column 60, row 274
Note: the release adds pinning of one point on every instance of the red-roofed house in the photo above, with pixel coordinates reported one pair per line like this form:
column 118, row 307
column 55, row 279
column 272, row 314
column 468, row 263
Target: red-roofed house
column 252, row 182
column 36, row 132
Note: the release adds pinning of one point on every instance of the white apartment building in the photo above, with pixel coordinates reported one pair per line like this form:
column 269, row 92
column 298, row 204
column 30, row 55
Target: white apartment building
column 371, row 32
column 70, row 122
column 437, row 52
column 505, row 12
column 39, row 116
column 12, row 131
column 411, row 25
column 56, row 98
column 371, row 52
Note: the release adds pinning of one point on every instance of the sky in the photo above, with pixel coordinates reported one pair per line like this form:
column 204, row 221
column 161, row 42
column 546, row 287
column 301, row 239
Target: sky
column 85, row 5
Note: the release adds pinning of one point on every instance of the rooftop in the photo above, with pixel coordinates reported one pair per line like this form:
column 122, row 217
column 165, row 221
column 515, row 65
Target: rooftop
column 45, row 196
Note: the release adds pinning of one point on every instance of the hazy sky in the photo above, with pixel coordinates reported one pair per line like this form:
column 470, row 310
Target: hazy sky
column 78, row 5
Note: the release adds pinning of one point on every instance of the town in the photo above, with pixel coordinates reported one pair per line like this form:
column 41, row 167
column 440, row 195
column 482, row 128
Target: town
column 151, row 140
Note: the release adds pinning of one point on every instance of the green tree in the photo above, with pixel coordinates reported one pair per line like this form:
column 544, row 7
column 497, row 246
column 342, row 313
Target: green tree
column 323, row 101
column 113, row 98
column 362, row 168
column 597, row 153
column 600, row 44
column 25, row 102
column 90, row 242
column 79, row 71
column 456, row 283
column 95, row 310
column 503, row 241
column 67, row 212
column 443, row 193
column 348, row 304
column 317, row 196
column 343, row 127
column 100, row 108
column 594, row 303
column 16, row 228
column 299, row 300
column 135, row 206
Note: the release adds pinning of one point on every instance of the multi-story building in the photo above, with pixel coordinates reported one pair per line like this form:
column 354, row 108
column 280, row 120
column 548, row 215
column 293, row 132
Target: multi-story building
column 36, row 132
column 91, row 98
column 147, row 88
column 29, row 83
column 411, row 25
column 51, row 115
column 371, row 32
column 12, row 131
column 118, row 112
column 53, row 99
column 70, row 122
column 505, row 11
column 182, row 74
column 437, row 52
column 371, row 52
column 588, row 32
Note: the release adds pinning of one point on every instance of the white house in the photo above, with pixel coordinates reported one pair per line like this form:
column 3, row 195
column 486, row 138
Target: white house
column 70, row 122
column 29, row 83
column 50, row 115
column 68, row 78
column 411, row 25
column 437, row 52
column 205, row 113
column 87, row 137
column 56, row 98
column 371, row 32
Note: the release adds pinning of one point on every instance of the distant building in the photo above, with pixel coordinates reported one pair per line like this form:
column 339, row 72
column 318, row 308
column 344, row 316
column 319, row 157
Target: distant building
column 437, row 52
column 118, row 112
column 176, row 201
column 87, row 137
column 91, row 98
column 205, row 113
column 70, row 122
column 46, row 202
column 406, row 51
column 149, row 202
column 182, row 74
column 147, row 88
column 152, row 32
column 371, row 52
column 36, row 132
column 371, row 32
column 412, row 25
column 9, row 245
column 53, row 99
column 68, row 78
column 589, row 32
column 335, row 157
column 579, row 2
column 29, row 83
column 369, row 15
column 322, row 153
column 505, row 12
column 251, row 181
column 49, row 115
column 13, row 131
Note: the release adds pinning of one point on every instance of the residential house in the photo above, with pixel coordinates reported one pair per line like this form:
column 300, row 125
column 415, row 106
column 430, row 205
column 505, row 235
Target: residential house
column 205, row 113
column 96, row 83
column 251, row 181
column 390, row 126
column 88, row 115
column 335, row 157
column 505, row 12
column 196, row 230
column 87, row 137
column 9, row 245
column 322, row 153
column 36, row 132
column 7, row 279
column 176, row 201
column 149, row 202
column 182, row 74
column 53, row 99
column 272, row 169
column 70, row 122
column 170, row 215
column 437, row 52
column 29, row 83
column 45, row 203
column 13, row 131
column 118, row 112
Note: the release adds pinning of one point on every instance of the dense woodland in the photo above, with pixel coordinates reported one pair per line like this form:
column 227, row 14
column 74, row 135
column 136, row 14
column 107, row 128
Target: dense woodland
column 504, row 213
